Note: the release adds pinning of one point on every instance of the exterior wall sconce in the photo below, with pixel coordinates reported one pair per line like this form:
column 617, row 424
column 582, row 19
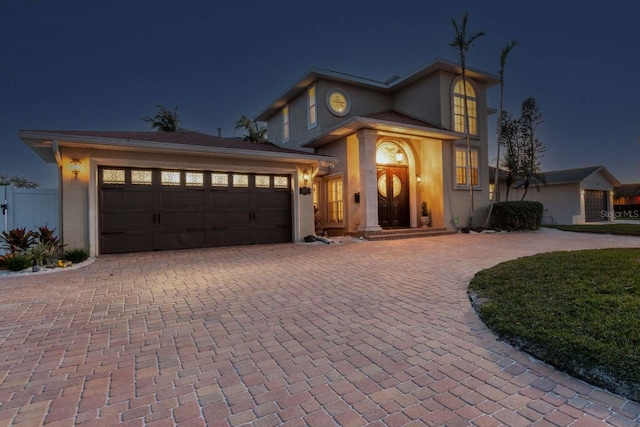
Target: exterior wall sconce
column 305, row 190
column 75, row 167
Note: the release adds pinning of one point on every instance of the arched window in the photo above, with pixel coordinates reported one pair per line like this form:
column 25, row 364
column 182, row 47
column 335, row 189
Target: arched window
column 458, row 108
column 390, row 153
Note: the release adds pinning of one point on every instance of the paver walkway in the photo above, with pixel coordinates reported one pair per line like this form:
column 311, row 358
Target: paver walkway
column 352, row 334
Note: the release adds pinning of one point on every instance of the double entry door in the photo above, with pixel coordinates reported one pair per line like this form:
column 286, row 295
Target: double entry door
column 393, row 196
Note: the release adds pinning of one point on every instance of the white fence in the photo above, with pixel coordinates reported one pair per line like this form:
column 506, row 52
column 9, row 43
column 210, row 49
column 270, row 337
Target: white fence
column 29, row 208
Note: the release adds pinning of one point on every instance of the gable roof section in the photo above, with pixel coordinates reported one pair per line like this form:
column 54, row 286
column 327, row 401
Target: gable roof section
column 565, row 176
column 389, row 121
column 45, row 143
column 391, row 85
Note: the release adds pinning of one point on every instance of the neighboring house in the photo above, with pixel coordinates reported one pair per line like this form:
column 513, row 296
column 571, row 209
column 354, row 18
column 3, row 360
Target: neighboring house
column 571, row 196
column 346, row 154
column 627, row 194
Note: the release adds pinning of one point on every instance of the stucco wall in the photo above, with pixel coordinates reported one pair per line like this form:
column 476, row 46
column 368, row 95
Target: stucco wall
column 363, row 101
column 420, row 99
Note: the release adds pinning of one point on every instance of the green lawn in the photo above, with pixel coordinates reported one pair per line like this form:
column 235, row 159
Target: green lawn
column 578, row 311
column 610, row 228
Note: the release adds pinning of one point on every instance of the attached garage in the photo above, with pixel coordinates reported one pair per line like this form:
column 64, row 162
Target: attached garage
column 147, row 191
column 156, row 209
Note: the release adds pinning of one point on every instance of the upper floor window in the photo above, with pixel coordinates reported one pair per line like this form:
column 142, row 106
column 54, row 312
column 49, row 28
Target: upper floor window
column 458, row 108
column 285, row 123
column 463, row 172
column 313, row 110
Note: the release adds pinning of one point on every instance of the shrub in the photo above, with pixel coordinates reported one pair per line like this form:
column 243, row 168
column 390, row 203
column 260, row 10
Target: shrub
column 516, row 216
column 76, row 255
column 44, row 253
column 17, row 261
column 17, row 240
column 45, row 235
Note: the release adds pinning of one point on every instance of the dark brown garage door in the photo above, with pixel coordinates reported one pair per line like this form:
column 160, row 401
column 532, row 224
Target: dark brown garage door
column 153, row 209
column 595, row 202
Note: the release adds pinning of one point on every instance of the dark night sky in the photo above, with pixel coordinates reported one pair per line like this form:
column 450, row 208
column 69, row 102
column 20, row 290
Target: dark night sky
column 104, row 64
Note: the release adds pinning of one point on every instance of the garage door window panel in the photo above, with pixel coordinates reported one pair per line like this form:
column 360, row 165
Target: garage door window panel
column 170, row 178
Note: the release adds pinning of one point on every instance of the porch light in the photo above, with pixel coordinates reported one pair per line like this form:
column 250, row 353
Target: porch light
column 399, row 156
column 75, row 167
column 305, row 190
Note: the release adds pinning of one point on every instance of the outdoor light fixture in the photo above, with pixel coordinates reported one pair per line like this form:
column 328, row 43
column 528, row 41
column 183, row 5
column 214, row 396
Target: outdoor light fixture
column 304, row 190
column 75, row 167
column 399, row 156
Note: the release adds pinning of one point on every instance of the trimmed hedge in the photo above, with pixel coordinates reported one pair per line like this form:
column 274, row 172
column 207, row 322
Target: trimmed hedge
column 516, row 216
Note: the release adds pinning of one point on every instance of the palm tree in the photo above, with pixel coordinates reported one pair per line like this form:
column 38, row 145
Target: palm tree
column 255, row 132
column 503, row 61
column 165, row 120
column 461, row 42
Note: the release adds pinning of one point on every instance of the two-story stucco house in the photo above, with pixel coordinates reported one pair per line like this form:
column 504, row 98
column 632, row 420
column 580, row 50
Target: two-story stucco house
column 399, row 143
column 346, row 154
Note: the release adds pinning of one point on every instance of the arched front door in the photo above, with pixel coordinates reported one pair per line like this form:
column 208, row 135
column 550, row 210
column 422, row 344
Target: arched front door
column 393, row 186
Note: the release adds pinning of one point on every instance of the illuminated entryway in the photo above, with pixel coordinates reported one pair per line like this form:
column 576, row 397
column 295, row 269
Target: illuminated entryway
column 393, row 186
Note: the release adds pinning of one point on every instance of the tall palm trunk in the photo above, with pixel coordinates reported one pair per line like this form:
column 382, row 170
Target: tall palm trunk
column 461, row 42
column 503, row 60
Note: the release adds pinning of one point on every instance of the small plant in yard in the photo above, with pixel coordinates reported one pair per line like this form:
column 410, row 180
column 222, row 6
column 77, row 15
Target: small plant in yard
column 76, row 255
column 17, row 240
column 17, row 262
column 44, row 253
column 578, row 311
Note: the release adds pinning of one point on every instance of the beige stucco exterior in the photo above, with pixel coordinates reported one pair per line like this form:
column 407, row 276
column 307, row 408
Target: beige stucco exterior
column 426, row 96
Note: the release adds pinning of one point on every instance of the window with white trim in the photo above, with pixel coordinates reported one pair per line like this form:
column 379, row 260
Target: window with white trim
column 285, row 123
column 462, row 160
column 459, row 124
column 335, row 201
column 312, row 115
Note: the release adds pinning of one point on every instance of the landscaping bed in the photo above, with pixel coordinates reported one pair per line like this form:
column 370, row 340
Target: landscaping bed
column 578, row 311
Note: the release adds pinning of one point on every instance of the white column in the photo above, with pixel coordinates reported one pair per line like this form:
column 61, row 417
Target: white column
column 368, row 181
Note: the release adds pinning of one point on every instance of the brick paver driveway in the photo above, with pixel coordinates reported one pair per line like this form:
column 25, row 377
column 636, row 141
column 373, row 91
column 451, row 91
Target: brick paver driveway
column 349, row 334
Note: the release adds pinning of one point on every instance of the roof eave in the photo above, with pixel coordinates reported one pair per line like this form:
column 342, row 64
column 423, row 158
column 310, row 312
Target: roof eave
column 357, row 123
column 42, row 144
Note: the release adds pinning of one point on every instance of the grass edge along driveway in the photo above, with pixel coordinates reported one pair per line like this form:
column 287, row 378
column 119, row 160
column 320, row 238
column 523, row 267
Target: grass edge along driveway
column 578, row 311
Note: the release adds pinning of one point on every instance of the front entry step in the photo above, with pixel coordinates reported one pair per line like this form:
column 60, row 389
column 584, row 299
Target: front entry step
column 405, row 233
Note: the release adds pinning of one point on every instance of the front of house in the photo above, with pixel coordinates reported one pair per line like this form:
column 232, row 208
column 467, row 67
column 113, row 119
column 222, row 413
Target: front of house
column 346, row 155
column 400, row 143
